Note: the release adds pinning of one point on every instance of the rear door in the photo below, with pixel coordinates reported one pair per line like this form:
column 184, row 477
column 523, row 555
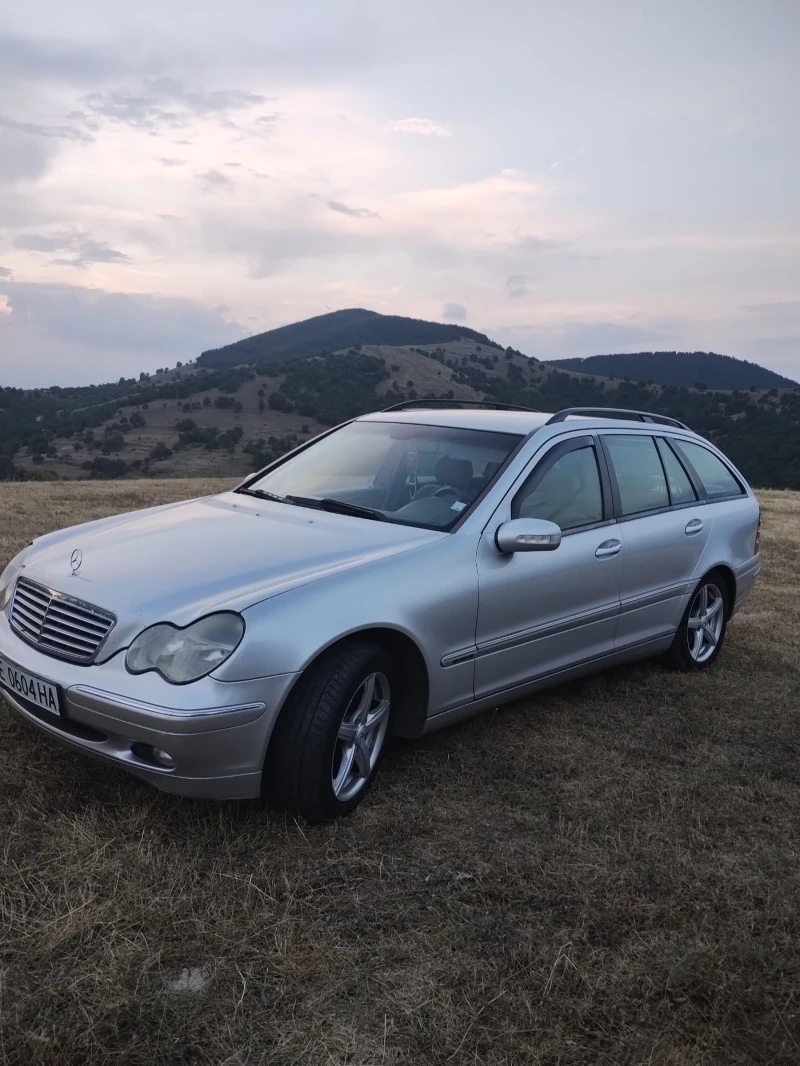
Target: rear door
column 541, row 612
column 664, row 525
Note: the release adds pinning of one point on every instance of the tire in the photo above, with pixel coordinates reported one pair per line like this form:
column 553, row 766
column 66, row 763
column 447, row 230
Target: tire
column 329, row 739
column 701, row 633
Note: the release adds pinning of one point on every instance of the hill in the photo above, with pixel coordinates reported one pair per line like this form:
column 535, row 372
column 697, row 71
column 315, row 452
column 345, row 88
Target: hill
column 334, row 332
column 202, row 421
column 690, row 369
column 194, row 421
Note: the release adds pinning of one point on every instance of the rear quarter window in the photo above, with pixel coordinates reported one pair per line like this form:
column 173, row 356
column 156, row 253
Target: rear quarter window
column 715, row 476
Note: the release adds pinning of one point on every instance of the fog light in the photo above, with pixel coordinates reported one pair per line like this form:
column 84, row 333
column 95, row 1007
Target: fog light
column 155, row 756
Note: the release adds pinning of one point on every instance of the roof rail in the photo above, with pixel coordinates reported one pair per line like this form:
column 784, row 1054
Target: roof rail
column 614, row 412
column 431, row 401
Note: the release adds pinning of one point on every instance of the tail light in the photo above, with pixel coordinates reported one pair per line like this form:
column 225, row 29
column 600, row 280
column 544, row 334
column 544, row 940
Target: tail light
column 758, row 532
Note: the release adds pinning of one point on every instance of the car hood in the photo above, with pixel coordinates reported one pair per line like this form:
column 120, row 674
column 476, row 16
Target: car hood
column 178, row 562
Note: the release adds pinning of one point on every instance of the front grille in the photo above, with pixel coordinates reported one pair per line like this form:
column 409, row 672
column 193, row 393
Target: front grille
column 58, row 624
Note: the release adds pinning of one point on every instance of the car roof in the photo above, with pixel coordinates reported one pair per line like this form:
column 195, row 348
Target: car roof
column 510, row 421
column 522, row 422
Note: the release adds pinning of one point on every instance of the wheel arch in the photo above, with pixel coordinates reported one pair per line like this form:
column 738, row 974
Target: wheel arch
column 728, row 576
column 412, row 678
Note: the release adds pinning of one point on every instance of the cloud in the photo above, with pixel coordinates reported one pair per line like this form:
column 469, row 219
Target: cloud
column 353, row 212
column 36, row 129
column 478, row 229
column 777, row 311
column 29, row 59
column 268, row 251
column 165, row 102
column 579, row 338
column 90, row 251
column 103, row 319
column 269, row 119
column 36, row 242
column 423, row 127
column 214, row 179
column 454, row 312
column 85, row 250
column 5, row 272
column 170, row 161
column 22, row 158
column 64, row 333
column 517, row 287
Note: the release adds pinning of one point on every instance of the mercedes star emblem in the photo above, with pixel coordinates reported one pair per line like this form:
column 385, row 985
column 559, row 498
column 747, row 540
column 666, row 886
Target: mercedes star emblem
column 75, row 560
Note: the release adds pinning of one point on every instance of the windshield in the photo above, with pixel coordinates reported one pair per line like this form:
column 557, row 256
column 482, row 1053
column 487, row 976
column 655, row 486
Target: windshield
column 398, row 472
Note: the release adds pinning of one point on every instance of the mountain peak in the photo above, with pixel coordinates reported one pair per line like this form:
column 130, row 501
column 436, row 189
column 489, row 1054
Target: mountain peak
column 333, row 332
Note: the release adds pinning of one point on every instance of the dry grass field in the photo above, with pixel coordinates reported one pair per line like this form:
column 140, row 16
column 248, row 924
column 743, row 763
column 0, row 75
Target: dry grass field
column 607, row 874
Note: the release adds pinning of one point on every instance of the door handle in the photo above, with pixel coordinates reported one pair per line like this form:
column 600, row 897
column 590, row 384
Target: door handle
column 608, row 548
column 693, row 527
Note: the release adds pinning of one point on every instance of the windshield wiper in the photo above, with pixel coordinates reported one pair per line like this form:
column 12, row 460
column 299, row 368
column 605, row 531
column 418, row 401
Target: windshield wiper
column 336, row 507
column 261, row 494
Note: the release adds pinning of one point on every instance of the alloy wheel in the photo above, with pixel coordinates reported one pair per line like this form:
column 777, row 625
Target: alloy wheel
column 706, row 620
column 361, row 736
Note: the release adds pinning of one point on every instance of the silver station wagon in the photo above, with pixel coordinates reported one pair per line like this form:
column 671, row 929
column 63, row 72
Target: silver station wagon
column 392, row 576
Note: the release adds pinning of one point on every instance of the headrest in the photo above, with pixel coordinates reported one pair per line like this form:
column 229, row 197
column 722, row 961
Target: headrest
column 455, row 472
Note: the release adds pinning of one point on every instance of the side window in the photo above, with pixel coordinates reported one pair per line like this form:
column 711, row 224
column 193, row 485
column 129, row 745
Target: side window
column 568, row 492
column 681, row 489
column 716, row 477
column 640, row 475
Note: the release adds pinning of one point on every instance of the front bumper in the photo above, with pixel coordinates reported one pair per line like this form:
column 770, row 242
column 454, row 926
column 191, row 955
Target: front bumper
column 216, row 732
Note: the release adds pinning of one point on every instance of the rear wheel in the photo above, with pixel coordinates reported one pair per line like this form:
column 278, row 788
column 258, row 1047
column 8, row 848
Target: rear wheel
column 329, row 740
column 702, row 630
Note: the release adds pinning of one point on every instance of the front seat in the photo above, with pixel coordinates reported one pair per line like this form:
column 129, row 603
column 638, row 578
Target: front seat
column 479, row 483
column 451, row 474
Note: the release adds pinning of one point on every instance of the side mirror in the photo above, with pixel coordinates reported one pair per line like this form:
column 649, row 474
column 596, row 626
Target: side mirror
column 527, row 535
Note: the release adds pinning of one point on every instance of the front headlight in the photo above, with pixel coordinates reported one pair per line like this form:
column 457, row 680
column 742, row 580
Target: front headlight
column 9, row 576
column 184, row 655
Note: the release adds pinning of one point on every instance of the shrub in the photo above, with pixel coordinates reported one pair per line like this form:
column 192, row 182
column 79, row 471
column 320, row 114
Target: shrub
column 113, row 443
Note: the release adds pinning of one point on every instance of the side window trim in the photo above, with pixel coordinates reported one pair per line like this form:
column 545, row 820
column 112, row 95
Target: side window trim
column 611, row 474
column 607, row 486
column 664, row 471
column 663, row 448
column 551, row 457
column 691, row 473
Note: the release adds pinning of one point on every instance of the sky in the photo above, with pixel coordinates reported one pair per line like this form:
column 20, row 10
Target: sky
column 571, row 177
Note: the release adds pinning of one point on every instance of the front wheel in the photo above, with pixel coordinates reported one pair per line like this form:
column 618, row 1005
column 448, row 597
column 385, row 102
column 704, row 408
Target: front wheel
column 702, row 630
column 328, row 742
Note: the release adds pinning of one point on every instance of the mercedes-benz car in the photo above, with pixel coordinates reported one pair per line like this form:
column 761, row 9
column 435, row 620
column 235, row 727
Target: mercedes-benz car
column 392, row 576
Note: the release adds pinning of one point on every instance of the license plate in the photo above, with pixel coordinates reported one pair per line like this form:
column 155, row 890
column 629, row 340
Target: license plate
column 34, row 689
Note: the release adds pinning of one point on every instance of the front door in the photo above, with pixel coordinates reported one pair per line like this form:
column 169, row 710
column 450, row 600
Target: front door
column 541, row 612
